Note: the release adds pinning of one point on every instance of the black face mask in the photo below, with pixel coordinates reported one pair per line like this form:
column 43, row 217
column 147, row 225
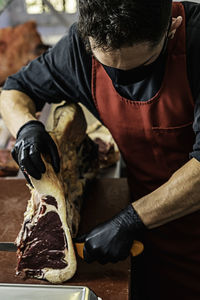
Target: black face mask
column 121, row 77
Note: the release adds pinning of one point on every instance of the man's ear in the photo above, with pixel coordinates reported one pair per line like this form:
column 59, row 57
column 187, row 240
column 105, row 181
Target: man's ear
column 176, row 23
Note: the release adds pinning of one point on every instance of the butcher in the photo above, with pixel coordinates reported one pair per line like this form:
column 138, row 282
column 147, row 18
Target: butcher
column 135, row 64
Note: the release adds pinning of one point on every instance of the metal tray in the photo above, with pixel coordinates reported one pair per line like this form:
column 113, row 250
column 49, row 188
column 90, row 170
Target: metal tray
column 45, row 292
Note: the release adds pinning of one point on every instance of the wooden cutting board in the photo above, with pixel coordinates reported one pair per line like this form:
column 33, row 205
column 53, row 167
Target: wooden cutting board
column 104, row 198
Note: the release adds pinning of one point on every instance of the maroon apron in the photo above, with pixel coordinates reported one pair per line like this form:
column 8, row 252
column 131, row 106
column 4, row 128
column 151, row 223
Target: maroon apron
column 155, row 138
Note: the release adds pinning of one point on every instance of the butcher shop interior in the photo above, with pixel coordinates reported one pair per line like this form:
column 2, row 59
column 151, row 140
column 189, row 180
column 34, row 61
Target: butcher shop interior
column 96, row 164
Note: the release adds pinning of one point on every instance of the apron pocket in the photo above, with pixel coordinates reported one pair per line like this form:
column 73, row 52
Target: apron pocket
column 171, row 146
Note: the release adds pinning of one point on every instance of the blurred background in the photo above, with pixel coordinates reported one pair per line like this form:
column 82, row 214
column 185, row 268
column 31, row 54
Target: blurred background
column 53, row 17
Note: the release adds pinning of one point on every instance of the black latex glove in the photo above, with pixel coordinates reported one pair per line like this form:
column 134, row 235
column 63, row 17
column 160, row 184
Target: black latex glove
column 112, row 240
column 32, row 140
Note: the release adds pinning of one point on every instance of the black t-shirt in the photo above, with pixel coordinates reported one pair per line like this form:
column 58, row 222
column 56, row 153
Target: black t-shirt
column 64, row 73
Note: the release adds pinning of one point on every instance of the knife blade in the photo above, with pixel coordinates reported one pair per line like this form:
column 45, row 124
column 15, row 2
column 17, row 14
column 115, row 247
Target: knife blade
column 136, row 249
column 10, row 247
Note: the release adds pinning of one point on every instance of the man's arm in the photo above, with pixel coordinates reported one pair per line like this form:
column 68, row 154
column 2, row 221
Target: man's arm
column 16, row 109
column 32, row 140
column 178, row 197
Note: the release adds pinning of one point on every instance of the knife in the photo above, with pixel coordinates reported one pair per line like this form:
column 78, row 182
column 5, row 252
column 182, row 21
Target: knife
column 136, row 249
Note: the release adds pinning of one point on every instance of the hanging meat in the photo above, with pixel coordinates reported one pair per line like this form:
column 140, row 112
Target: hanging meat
column 18, row 46
column 45, row 249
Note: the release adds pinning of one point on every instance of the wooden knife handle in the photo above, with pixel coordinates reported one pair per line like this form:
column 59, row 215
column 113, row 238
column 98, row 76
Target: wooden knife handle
column 136, row 249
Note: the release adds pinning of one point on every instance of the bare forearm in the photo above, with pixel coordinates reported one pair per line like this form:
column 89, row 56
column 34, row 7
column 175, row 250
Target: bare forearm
column 179, row 196
column 16, row 109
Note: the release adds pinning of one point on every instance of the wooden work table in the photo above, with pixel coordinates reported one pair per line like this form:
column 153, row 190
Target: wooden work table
column 104, row 198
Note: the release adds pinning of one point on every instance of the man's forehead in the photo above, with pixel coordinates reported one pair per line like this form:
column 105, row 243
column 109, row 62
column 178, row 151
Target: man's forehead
column 140, row 51
column 126, row 57
column 146, row 46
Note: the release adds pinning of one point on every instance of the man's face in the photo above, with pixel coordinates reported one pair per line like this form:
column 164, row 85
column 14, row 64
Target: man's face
column 128, row 57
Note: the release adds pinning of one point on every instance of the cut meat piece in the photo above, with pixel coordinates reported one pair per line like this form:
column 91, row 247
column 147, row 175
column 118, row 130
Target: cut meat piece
column 108, row 150
column 107, row 154
column 8, row 166
column 4, row 134
column 18, row 46
column 48, row 248
column 45, row 249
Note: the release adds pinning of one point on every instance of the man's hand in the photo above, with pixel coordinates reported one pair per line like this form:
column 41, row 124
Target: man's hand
column 112, row 240
column 32, row 140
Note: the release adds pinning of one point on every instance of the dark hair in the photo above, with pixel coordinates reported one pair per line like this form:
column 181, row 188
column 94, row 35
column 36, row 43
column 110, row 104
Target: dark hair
column 117, row 23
